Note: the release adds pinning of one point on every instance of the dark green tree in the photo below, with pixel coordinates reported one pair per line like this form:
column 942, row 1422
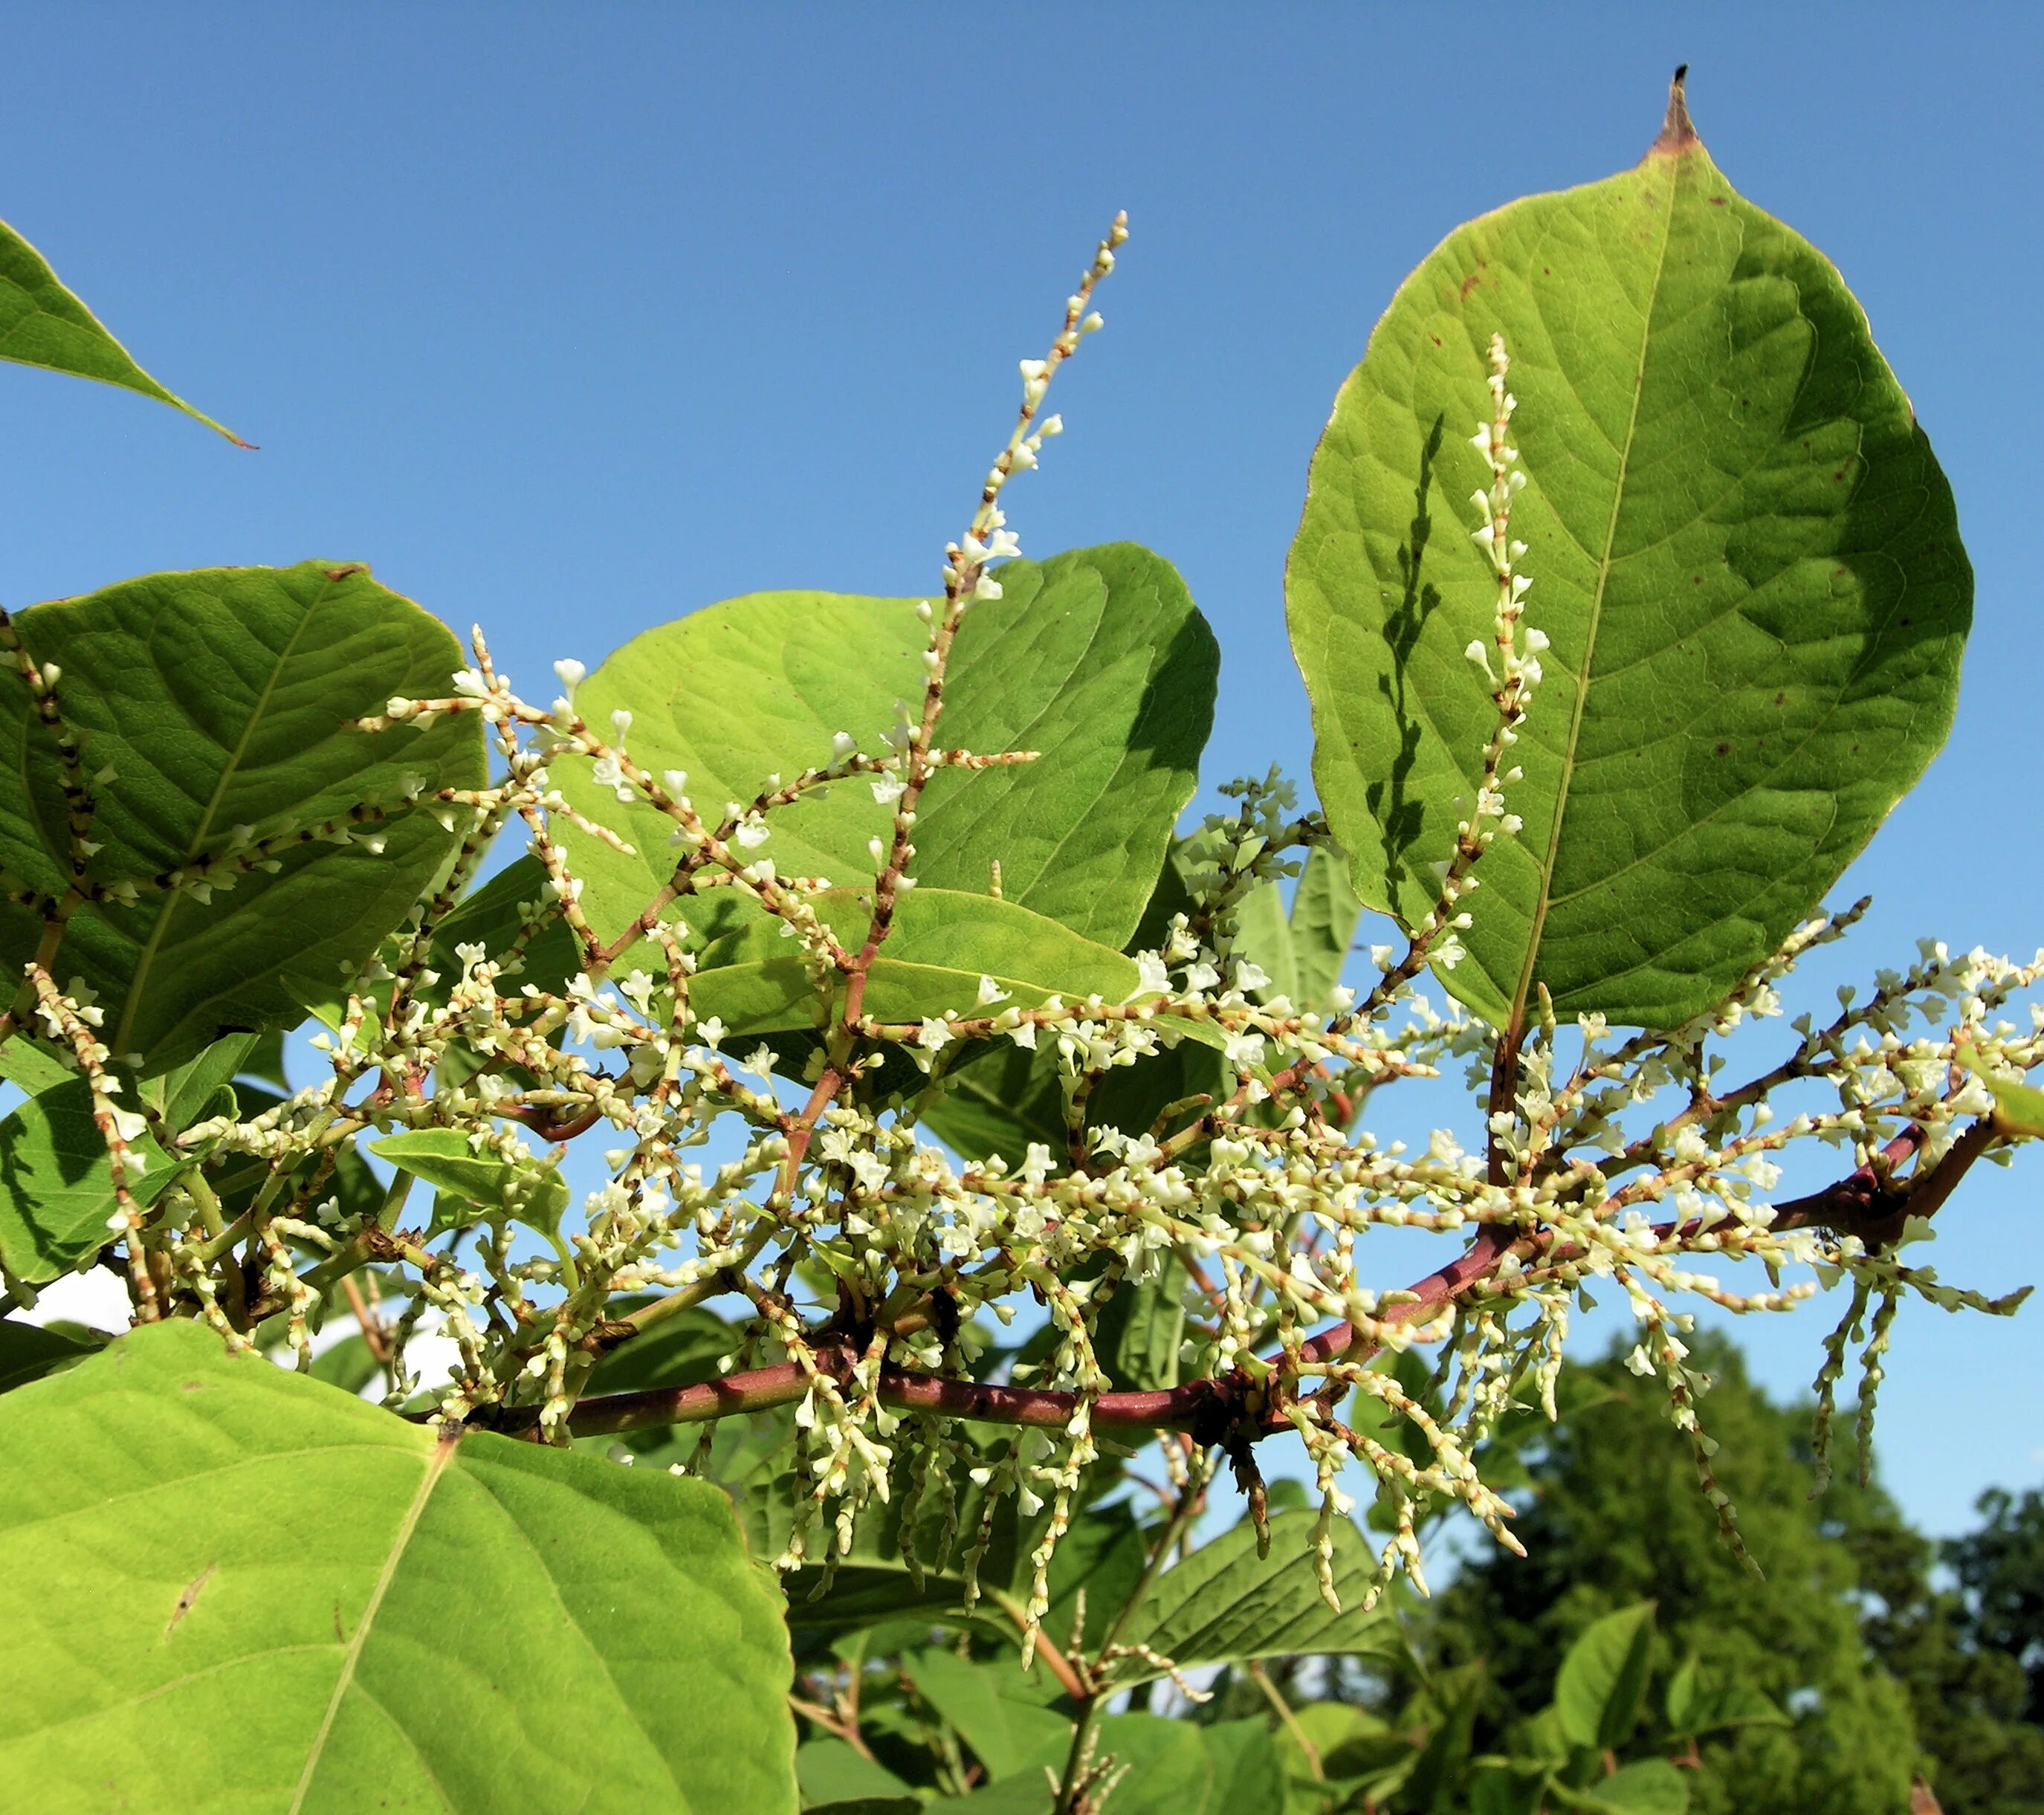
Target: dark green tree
column 2001, row 1569
column 1613, row 1516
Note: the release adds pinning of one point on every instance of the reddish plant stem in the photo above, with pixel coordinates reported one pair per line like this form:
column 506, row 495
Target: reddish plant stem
column 1862, row 1203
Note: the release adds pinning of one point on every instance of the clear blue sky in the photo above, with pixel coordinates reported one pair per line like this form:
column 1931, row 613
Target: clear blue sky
column 573, row 319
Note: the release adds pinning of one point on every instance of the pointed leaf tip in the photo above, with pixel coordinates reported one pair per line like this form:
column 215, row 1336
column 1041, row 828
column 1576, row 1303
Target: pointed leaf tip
column 1678, row 131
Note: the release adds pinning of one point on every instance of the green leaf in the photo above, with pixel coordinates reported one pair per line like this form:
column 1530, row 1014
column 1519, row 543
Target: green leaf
column 1436, row 1780
column 347, row 1364
column 1302, row 950
column 869, row 1805
column 1648, row 1786
column 833, row 1775
column 1740, row 545
column 1603, row 1676
column 28, row 1352
column 1248, row 1776
column 680, row 1350
column 1502, row 1786
column 33, row 1068
column 1696, row 1705
column 1004, row 1728
column 179, row 1095
column 222, row 702
column 447, row 1609
column 1003, row 1098
column 56, row 1184
column 1222, row 1605
column 1096, row 659
column 2020, row 1106
column 533, row 1195
column 42, row 324
column 943, row 945
column 1141, row 1328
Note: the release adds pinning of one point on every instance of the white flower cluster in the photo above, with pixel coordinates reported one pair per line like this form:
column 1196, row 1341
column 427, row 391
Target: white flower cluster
column 869, row 1269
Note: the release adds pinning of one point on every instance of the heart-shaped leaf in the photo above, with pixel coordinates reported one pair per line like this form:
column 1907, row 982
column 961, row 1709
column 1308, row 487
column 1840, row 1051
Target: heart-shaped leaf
column 447, row 1609
column 42, row 324
column 214, row 711
column 1741, row 547
column 1095, row 658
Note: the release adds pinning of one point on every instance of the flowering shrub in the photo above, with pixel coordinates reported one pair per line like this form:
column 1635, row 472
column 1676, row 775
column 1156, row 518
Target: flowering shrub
column 877, row 907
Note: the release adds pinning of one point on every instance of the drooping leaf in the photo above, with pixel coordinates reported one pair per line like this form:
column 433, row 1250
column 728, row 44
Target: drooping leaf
column 1222, row 1605
column 1603, row 1676
column 42, row 324
column 217, row 706
column 1740, row 547
column 1096, row 659
column 456, row 1610
column 943, row 943
column 56, row 1185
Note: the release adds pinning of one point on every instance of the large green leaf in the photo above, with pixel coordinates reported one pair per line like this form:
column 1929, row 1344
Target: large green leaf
column 56, row 1185
column 200, row 1545
column 42, row 324
column 943, row 945
column 1603, row 1676
column 221, row 701
column 1224, row 1605
column 1742, row 548
column 1095, row 658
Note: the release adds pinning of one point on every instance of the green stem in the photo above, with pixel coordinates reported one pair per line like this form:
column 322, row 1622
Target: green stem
column 1089, row 1711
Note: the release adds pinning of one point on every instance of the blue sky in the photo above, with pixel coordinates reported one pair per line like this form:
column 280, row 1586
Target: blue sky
column 571, row 320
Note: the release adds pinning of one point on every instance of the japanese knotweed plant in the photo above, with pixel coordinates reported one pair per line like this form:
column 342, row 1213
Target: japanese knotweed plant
column 854, row 994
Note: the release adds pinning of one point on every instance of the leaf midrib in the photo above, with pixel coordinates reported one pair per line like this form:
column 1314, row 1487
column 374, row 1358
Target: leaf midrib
column 145, row 959
column 443, row 1453
column 1536, row 925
